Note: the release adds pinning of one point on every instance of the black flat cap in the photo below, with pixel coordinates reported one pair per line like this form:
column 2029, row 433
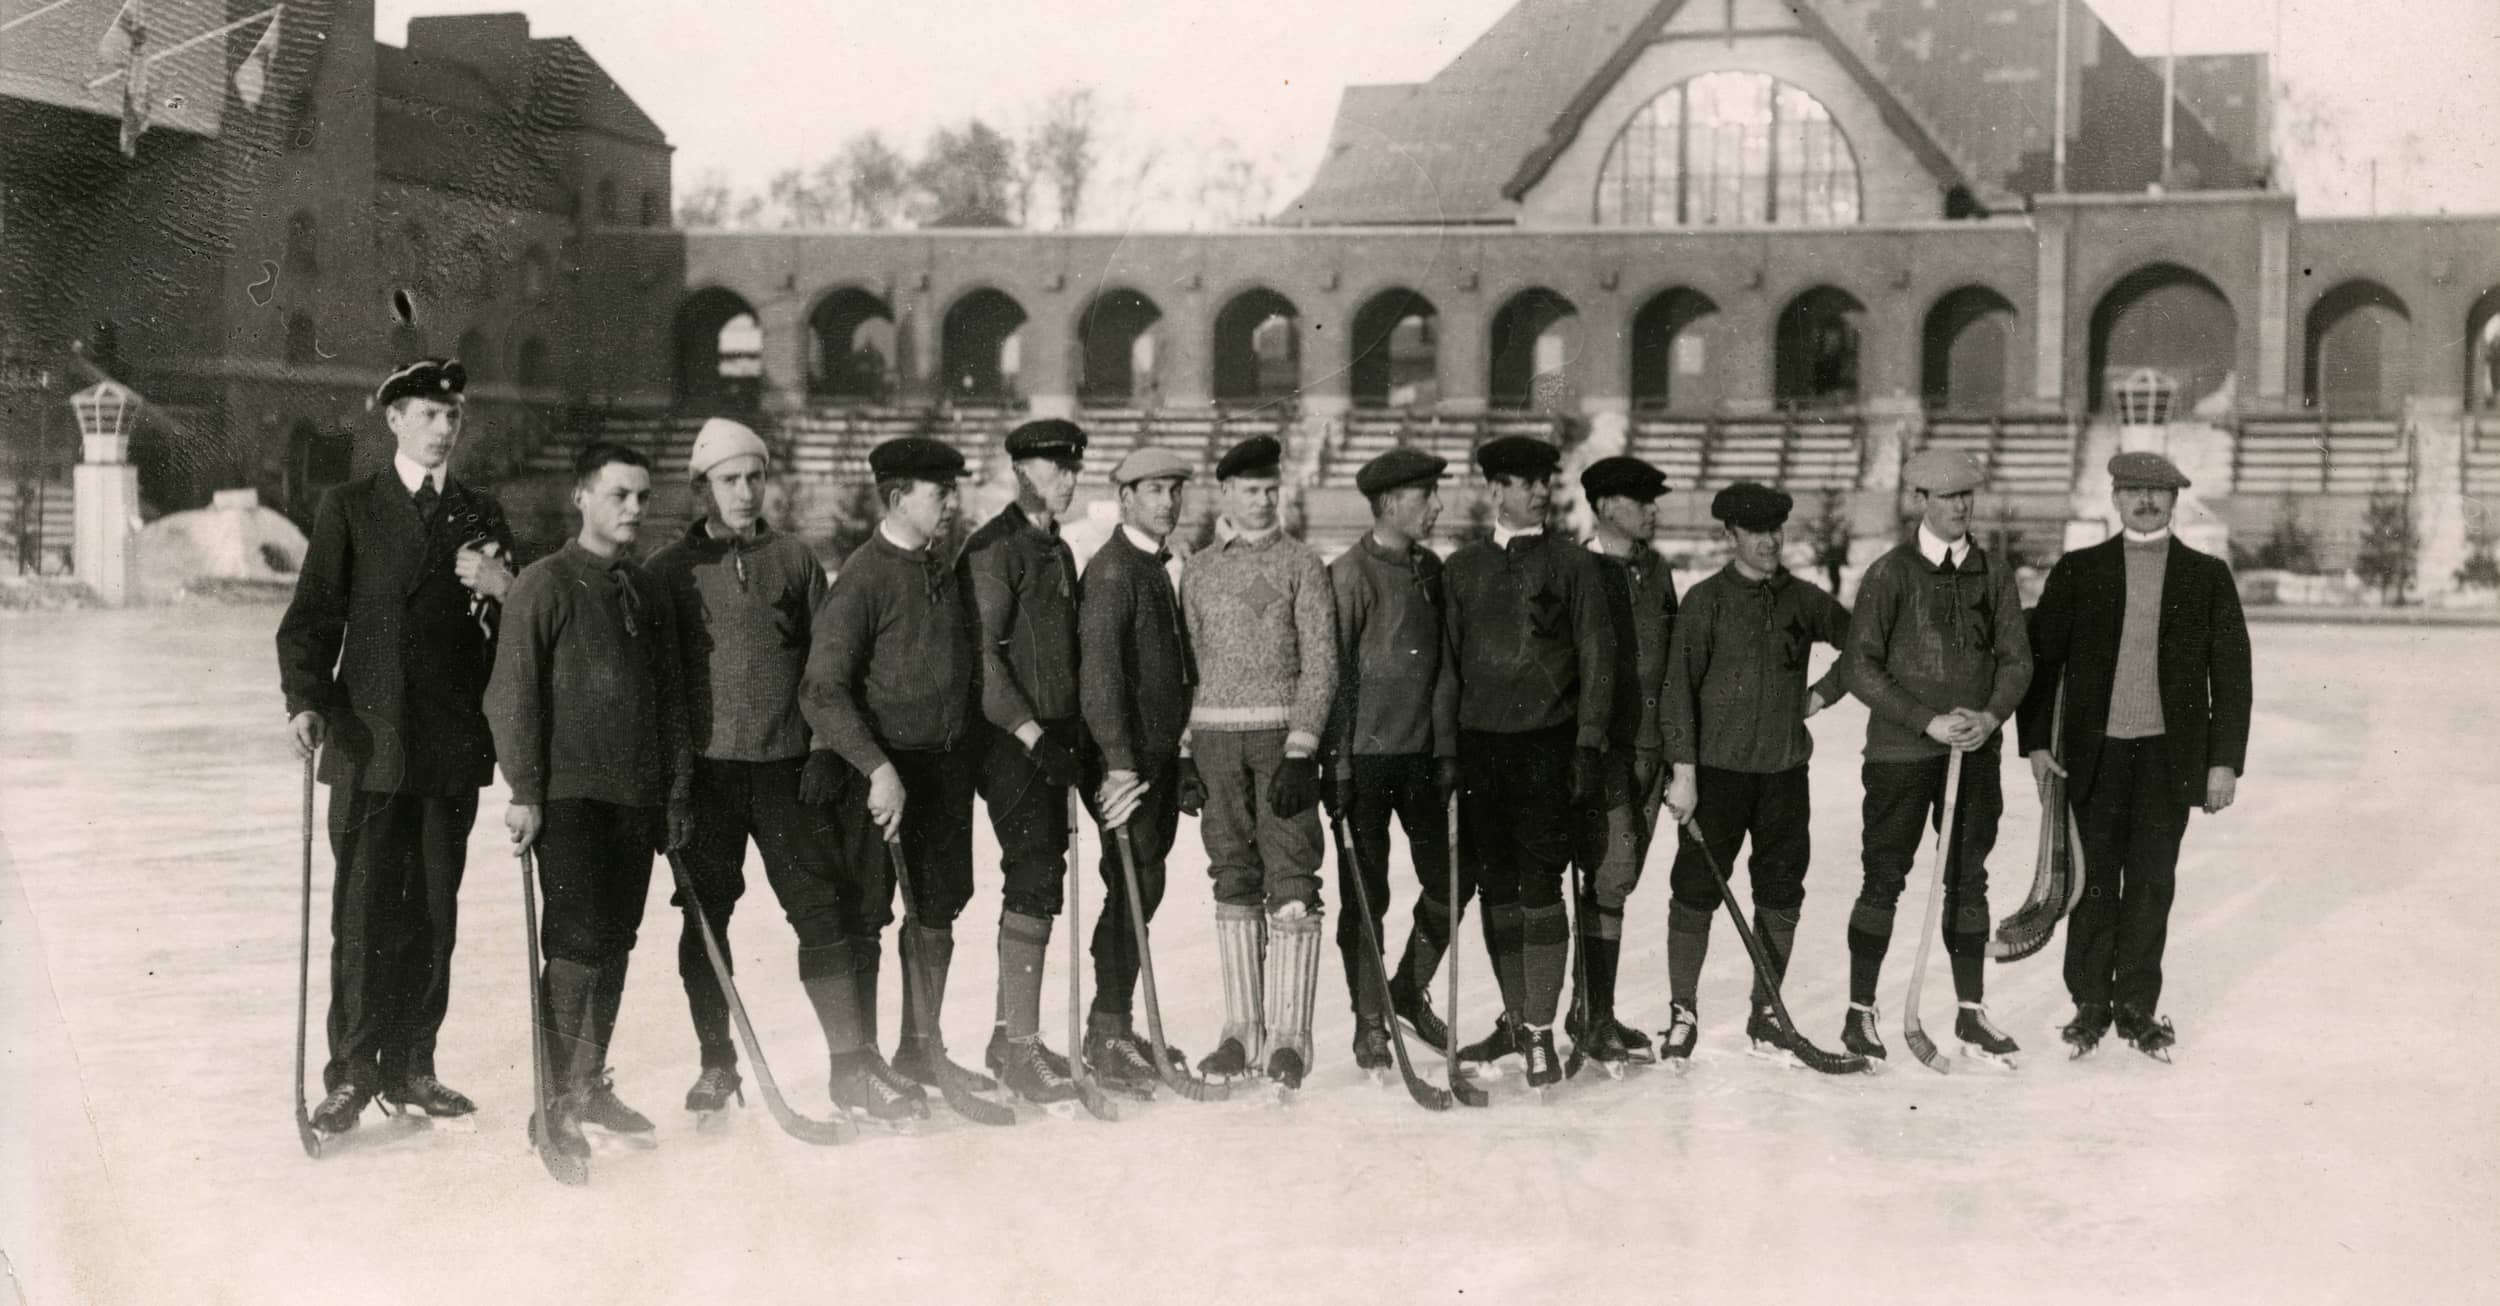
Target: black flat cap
column 426, row 378
column 915, row 458
column 1517, row 455
column 1399, row 466
column 1748, row 506
column 1260, row 455
column 2144, row 469
column 1619, row 475
column 1049, row 437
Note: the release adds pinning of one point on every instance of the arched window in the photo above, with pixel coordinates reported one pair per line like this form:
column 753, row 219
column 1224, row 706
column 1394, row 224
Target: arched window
column 1258, row 358
column 1396, row 348
column 1116, row 347
column 303, row 245
column 529, row 366
column 851, row 347
column 1815, row 355
column 980, row 347
column 2360, row 355
column 2482, row 353
column 1729, row 149
column 534, row 274
column 300, row 345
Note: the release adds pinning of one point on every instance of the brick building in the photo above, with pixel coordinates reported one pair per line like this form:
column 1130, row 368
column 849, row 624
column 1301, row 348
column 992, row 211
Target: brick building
column 252, row 269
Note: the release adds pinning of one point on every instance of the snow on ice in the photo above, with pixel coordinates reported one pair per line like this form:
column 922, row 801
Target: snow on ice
column 2326, row 1136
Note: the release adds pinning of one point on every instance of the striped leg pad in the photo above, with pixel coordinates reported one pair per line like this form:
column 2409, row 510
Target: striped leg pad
column 1292, row 981
column 1241, row 947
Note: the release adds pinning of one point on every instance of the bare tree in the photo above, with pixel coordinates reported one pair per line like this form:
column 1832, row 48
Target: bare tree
column 708, row 204
column 875, row 181
column 966, row 178
column 1234, row 187
column 801, row 202
column 1066, row 147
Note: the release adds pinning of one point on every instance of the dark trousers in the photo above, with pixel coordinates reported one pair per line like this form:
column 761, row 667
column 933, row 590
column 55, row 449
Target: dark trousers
column 1515, row 815
column 2131, row 825
column 1150, row 831
column 1030, row 818
column 1771, row 809
column 936, row 842
column 394, row 915
column 594, row 872
column 1904, row 799
column 735, row 802
column 1384, row 786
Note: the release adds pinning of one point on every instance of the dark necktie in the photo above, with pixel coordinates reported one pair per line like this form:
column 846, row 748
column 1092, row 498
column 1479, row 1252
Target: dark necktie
column 1947, row 567
column 427, row 498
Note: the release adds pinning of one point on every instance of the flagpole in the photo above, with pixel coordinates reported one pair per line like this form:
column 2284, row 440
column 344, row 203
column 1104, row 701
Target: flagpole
column 33, row 14
column 2057, row 147
column 2169, row 88
column 177, row 48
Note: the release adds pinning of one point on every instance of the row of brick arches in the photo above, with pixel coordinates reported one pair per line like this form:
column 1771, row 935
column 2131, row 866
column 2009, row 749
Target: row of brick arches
column 2165, row 319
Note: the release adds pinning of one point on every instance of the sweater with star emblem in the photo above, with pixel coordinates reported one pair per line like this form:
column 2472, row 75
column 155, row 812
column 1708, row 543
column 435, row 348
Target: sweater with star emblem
column 1533, row 639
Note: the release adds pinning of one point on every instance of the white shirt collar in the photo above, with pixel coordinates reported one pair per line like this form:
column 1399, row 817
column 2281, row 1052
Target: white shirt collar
column 885, row 529
column 410, row 474
column 2137, row 537
column 1503, row 535
column 1145, row 544
column 1934, row 550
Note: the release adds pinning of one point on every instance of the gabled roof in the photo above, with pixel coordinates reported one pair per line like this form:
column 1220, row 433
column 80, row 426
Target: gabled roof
column 494, row 128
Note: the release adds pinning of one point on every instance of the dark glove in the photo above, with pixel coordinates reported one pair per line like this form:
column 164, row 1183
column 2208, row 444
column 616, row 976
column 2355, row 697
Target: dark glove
column 1588, row 776
column 1445, row 777
column 1296, row 788
column 820, row 783
column 1055, row 760
column 1189, row 793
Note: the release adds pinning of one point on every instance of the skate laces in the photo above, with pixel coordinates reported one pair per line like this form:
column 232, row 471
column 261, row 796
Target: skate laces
column 1030, row 1052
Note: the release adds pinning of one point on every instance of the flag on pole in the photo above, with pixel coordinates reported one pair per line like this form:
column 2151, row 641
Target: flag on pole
column 251, row 77
column 124, row 43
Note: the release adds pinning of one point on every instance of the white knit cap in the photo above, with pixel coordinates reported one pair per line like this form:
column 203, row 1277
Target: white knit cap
column 721, row 440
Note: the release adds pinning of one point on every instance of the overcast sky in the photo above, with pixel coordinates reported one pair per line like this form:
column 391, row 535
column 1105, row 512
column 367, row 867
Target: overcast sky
column 747, row 87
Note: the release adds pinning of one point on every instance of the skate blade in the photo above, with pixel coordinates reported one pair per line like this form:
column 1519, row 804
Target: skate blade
column 2161, row 1055
column 1678, row 1066
column 1488, row 1070
column 1277, row 1096
column 1060, row 1110
column 464, row 1124
column 1994, row 1060
column 1382, row 1077
column 1542, row 1094
column 603, row 1139
column 1775, row 1054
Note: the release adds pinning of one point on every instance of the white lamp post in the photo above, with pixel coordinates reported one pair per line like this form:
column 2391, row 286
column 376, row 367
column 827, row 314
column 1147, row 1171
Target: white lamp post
column 107, row 489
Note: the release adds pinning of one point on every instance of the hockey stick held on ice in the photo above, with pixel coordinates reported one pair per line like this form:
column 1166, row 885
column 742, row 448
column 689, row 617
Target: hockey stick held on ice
column 1097, row 1103
column 1376, row 971
column 1815, row 1058
column 1179, row 1080
column 806, row 1130
column 1912, row 1032
column 572, row 1171
column 304, row 1132
column 1462, row 1089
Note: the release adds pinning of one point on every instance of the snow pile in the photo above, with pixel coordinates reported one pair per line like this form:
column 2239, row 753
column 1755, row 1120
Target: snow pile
column 232, row 540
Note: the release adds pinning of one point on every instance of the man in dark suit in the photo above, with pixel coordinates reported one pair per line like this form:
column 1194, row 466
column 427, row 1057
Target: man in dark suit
column 383, row 656
column 2146, row 636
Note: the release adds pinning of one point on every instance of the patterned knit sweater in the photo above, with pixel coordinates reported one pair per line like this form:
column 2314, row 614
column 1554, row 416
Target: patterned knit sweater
column 1263, row 623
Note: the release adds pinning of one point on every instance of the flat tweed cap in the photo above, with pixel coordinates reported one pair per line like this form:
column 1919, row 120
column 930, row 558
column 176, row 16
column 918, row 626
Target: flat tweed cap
column 1055, row 438
column 1747, row 505
column 1151, row 464
column 426, row 378
column 721, row 440
column 1629, row 477
column 2146, row 470
column 917, row 458
column 1517, row 455
column 1260, row 456
column 1399, row 467
column 1943, row 471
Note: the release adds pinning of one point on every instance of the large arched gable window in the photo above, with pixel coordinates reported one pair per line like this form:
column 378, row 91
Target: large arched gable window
column 1729, row 149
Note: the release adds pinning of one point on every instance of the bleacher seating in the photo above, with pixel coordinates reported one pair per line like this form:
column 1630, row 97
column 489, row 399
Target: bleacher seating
column 40, row 541
column 2023, row 455
column 2482, row 456
column 2319, row 455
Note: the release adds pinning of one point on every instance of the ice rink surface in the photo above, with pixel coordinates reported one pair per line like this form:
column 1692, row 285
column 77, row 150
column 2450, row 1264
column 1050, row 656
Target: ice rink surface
column 2330, row 1133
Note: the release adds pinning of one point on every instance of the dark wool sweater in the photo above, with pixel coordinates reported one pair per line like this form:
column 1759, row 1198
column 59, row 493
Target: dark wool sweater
column 1136, row 668
column 1533, row 642
column 1923, row 642
column 1641, row 604
column 744, row 613
column 584, row 702
column 1023, row 582
column 1736, row 672
column 894, row 663
column 1397, row 691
